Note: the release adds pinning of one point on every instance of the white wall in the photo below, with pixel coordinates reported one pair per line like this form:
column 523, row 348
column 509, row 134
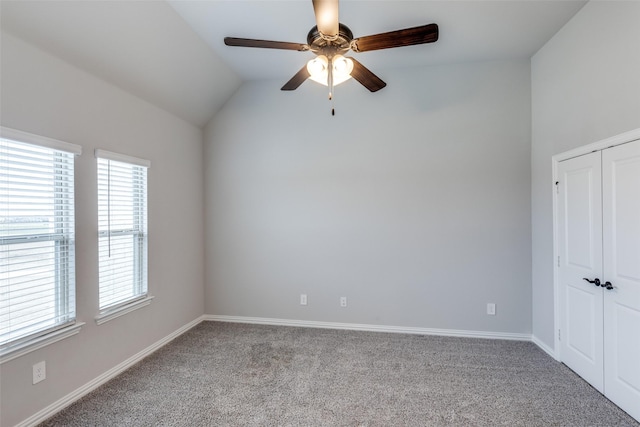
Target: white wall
column 586, row 87
column 42, row 95
column 413, row 202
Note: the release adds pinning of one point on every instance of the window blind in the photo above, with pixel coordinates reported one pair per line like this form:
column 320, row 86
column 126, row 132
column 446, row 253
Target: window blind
column 122, row 229
column 37, row 258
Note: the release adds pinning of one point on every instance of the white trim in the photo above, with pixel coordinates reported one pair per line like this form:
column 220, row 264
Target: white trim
column 122, row 310
column 370, row 328
column 622, row 138
column 556, row 287
column 75, row 395
column 39, row 342
column 544, row 347
column 117, row 157
column 43, row 141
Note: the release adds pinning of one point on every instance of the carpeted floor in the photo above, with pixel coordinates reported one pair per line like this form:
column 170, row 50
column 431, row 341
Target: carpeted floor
column 224, row 374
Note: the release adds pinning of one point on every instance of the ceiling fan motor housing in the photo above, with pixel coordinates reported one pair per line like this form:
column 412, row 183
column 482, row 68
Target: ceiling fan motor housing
column 330, row 46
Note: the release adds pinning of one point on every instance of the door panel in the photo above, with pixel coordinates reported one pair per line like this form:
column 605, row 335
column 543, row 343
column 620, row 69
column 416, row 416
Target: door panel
column 580, row 249
column 579, row 218
column 581, row 307
column 625, row 322
column 621, row 246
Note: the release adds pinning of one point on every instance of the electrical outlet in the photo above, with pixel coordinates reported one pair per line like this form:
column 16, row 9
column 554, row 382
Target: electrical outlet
column 303, row 299
column 39, row 372
column 343, row 301
column 491, row 309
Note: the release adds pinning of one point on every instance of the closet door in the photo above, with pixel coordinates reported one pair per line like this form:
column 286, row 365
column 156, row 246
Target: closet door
column 621, row 243
column 580, row 256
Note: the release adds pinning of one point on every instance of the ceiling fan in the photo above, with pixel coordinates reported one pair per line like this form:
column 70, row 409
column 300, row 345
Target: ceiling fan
column 330, row 41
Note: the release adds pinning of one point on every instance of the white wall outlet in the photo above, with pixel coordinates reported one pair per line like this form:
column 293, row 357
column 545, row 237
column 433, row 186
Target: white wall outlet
column 491, row 309
column 39, row 372
column 303, row 299
column 343, row 301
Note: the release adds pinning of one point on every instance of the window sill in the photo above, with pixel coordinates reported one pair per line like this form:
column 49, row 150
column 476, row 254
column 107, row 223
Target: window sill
column 121, row 311
column 39, row 342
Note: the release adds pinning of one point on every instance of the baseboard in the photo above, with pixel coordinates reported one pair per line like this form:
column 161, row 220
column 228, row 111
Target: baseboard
column 370, row 328
column 67, row 400
column 544, row 347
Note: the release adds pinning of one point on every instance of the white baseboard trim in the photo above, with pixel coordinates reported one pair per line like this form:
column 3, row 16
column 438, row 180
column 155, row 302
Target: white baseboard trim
column 544, row 347
column 67, row 400
column 369, row 328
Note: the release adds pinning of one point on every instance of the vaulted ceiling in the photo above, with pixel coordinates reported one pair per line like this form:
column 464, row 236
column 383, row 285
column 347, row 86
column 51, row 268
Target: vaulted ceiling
column 171, row 53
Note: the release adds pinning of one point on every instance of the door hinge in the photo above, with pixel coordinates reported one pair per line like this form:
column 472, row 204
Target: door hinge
column 558, row 260
column 557, row 187
column 559, row 335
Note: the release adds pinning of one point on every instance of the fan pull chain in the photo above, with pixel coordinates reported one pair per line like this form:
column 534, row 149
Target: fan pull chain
column 333, row 110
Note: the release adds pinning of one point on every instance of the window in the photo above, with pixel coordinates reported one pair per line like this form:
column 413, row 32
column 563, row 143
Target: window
column 122, row 230
column 37, row 242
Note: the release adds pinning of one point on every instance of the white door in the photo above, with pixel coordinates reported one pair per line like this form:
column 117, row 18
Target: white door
column 580, row 257
column 621, row 248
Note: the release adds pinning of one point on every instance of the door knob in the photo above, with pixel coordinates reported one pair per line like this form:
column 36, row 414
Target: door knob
column 596, row 281
column 607, row 285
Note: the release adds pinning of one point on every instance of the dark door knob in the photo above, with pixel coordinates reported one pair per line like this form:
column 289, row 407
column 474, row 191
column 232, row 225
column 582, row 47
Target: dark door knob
column 607, row 285
column 596, row 281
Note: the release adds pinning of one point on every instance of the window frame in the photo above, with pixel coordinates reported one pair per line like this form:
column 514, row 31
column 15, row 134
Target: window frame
column 141, row 297
column 63, row 238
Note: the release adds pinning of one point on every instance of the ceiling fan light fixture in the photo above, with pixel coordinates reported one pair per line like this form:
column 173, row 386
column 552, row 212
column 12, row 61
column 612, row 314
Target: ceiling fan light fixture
column 342, row 66
column 318, row 69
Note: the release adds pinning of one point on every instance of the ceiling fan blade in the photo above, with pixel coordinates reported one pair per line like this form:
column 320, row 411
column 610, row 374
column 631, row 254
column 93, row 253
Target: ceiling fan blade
column 297, row 80
column 326, row 16
column 268, row 44
column 366, row 78
column 406, row 37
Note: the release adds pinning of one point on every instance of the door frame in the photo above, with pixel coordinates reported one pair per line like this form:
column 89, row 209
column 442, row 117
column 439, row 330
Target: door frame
column 622, row 138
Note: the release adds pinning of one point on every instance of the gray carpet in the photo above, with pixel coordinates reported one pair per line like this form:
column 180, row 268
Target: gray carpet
column 223, row 374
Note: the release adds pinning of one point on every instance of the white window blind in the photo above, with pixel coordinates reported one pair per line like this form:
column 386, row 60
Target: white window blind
column 37, row 255
column 122, row 229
